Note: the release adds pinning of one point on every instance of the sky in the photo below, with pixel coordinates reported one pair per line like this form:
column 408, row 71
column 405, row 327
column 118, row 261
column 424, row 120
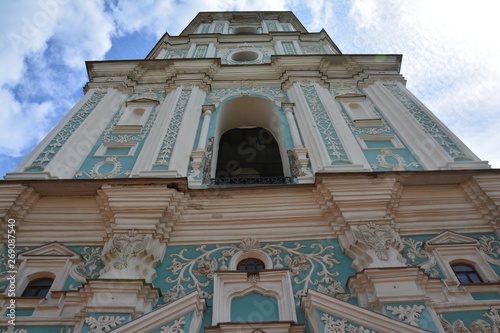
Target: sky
column 451, row 54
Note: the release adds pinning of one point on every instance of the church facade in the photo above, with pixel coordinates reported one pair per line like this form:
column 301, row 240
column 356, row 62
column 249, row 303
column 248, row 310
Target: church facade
column 247, row 176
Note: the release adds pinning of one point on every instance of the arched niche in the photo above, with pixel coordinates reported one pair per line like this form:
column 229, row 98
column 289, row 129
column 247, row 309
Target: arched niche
column 250, row 114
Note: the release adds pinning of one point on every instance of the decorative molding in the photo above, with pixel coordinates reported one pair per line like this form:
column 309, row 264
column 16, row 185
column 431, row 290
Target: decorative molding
column 63, row 135
column 103, row 323
column 125, row 247
column 379, row 238
column 401, row 163
column 408, row 314
column 482, row 201
column 216, row 96
column 96, row 174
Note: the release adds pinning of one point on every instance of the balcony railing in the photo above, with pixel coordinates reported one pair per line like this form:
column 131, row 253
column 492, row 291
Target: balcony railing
column 251, row 181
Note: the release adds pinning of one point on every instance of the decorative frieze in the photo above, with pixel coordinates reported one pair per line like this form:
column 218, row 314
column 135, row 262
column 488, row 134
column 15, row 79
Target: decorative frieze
column 310, row 266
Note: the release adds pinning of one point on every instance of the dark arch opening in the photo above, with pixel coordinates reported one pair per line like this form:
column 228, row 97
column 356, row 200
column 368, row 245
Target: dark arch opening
column 249, row 152
column 251, row 264
column 38, row 288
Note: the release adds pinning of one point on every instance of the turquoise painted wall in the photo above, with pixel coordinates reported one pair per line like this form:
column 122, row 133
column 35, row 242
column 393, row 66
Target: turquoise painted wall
column 118, row 166
column 183, row 323
column 254, row 307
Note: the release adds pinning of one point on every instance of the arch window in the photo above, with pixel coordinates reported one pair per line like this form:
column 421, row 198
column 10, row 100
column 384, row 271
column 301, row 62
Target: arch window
column 38, row 288
column 251, row 264
column 466, row 273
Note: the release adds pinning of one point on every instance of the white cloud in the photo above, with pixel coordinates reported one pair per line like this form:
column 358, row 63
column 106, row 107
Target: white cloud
column 22, row 123
column 449, row 58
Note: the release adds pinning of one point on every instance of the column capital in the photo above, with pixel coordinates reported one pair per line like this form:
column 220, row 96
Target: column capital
column 207, row 109
column 288, row 107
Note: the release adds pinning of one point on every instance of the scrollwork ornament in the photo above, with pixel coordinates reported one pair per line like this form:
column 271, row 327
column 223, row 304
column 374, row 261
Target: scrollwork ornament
column 415, row 250
column 103, row 323
column 340, row 326
column 176, row 327
column 408, row 314
column 490, row 249
column 307, row 269
column 478, row 326
column 86, row 268
column 401, row 165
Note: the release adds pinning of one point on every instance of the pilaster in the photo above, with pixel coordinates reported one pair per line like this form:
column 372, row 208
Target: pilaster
column 77, row 147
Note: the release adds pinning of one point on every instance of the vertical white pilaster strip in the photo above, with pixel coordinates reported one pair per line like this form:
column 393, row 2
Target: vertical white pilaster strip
column 41, row 146
column 191, row 50
column 72, row 154
column 420, row 143
column 310, row 134
column 211, row 51
column 152, row 144
column 186, row 136
column 349, row 142
column 207, row 114
column 297, row 143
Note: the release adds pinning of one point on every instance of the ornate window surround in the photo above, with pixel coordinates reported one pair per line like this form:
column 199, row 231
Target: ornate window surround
column 450, row 247
column 52, row 261
column 234, row 284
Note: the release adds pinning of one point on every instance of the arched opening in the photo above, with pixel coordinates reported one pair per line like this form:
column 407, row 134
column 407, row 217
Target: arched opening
column 249, row 145
column 466, row 273
column 38, row 287
column 251, row 264
column 248, row 153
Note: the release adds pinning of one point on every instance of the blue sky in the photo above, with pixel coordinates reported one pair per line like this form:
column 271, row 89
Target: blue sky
column 451, row 57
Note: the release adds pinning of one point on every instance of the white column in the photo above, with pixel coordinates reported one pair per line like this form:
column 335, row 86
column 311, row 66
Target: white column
column 288, row 108
column 207, row 114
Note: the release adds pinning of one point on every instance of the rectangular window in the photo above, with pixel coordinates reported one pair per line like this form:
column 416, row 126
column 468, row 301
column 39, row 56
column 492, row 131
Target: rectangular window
column 374, row 142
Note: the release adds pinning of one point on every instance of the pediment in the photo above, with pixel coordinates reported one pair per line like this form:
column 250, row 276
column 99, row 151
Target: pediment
column 450, row 238
column 54, row 249
column 344, row 312
column 174, row 313
column 142, row 101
